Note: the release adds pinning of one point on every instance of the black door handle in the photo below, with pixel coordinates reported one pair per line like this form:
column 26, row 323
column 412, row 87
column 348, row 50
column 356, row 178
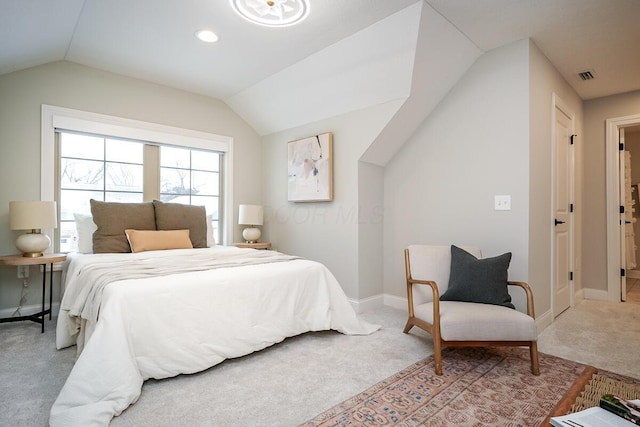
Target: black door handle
column 558, row 222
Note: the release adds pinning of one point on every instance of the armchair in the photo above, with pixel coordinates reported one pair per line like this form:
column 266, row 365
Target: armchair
column 461, row 323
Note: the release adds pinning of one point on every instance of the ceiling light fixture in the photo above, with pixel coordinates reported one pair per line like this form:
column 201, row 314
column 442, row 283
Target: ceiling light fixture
column 207, row 36
column 272, row 13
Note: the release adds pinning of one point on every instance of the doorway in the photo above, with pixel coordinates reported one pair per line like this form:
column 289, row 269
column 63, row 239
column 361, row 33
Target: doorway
column 630, row 290
column 616, row 198
column 563, row 227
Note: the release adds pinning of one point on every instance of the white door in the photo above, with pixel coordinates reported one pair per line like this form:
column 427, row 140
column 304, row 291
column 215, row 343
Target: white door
column 563, row 182
column 623, row 228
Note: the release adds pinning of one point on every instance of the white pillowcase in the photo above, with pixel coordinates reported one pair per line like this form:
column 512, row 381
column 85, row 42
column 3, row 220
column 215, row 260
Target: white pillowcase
column 211, row 241
column 85, row 228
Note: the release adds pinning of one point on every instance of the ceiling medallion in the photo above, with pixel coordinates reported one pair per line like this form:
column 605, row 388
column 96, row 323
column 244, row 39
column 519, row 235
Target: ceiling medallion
column 272, row 13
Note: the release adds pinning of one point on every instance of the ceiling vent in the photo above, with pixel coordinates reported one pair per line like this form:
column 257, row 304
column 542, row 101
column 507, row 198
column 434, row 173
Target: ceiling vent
column 587, row 75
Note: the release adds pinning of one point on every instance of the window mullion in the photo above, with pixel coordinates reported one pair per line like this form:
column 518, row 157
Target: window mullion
column 151, row 185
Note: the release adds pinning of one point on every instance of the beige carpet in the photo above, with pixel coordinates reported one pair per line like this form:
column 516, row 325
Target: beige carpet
column 597, row 333
column 321, row 370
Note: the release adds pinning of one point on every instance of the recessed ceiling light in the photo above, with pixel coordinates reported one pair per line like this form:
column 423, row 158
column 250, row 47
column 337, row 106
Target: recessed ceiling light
column 207, row 36
column 272, row 13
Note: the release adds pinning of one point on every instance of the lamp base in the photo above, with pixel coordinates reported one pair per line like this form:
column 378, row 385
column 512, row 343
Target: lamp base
column 33, row 244
column 251, row 234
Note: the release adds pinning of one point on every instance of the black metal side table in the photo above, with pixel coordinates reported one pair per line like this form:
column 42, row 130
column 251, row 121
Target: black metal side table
column 17, row 260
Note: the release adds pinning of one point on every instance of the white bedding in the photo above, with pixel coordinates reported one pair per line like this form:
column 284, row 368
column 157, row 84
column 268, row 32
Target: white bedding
column 184, row 323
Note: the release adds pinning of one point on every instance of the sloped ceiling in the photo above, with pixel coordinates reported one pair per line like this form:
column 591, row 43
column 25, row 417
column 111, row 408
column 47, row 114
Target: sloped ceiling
column 442, row 56
column 347, row 45
column 371, row 67
column 154, row 40
column 575, row 35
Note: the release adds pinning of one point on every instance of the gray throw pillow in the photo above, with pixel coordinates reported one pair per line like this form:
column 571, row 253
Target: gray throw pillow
column 176, row 216
column 112, row 218
column 478, row 280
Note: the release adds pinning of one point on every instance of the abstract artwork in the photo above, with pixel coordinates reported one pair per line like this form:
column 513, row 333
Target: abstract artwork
column 310, row 169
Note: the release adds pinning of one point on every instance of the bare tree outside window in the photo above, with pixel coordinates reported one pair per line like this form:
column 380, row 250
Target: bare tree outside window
column 110, row 169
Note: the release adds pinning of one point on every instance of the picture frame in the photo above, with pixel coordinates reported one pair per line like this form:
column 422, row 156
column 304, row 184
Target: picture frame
column 310, row 169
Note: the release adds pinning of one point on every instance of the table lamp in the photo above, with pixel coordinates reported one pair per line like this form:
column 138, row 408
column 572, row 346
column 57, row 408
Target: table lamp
column 34, row 216
column 251, row 215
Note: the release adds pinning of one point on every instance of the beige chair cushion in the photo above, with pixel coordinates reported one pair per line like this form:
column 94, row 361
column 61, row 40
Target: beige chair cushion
column 432, row 263
column 465, row 321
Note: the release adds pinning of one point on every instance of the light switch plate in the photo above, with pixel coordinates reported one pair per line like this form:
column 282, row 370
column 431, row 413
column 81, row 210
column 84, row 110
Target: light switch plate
column 503, row 203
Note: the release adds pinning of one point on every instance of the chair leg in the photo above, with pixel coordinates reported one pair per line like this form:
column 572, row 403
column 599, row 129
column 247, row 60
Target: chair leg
column 437, row 355
column 408, row 326
column 533, row 352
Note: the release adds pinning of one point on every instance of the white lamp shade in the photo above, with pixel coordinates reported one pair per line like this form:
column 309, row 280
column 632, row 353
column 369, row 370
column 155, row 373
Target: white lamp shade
column 32, row 215
column 250, row 215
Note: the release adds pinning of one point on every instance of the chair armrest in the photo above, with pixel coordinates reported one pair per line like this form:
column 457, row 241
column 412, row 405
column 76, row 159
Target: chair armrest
column 434, row 290
column 432, row 284
column 529, row 293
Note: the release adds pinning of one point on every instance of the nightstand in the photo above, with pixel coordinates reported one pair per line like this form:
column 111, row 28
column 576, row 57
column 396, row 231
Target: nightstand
column 258, row 245
column 17, row 260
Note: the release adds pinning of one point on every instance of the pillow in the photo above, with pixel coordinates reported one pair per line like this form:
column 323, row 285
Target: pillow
column 113, row 218
column 157, row 240
column 478, row 280
column 84, row 229
column 211, row 240
column 176, row 216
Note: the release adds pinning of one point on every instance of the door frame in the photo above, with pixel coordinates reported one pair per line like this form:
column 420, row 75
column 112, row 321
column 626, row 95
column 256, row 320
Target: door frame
column 557, row 103
column 612, row 170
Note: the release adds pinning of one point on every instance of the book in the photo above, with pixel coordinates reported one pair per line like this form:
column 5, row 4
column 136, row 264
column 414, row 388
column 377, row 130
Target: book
column 626, row 409
column 593, row 417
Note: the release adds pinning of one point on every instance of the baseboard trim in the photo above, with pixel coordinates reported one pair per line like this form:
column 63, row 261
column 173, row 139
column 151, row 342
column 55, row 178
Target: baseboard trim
column 29, row 310
column 633, row 274
column 595, row 294
column 544, row 320
column 396, row 302
column 366, row 304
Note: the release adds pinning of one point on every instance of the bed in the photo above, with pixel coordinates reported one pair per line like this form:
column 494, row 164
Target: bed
column 161, row 313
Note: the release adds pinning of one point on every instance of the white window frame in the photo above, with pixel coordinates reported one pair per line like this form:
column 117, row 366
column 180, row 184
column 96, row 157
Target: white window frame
column 61, row 118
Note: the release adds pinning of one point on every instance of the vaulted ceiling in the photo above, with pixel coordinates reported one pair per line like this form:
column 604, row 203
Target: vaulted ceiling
column 154, row 40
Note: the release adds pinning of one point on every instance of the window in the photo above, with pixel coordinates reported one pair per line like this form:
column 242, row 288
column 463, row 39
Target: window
column 137, row 161
column 113, row 170
column 191, row 177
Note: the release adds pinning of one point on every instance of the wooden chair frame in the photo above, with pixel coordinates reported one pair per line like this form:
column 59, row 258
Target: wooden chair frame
column 434, row 330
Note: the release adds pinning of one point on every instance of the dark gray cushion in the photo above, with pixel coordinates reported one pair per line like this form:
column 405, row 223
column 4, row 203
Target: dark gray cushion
column 113, row 218
column 176, row 216
column 478, row 280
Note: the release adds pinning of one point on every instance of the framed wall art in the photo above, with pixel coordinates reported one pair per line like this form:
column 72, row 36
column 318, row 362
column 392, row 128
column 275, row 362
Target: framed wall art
column 310, row 169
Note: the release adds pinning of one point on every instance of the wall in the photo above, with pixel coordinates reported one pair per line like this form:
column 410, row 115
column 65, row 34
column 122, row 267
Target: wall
column 544, row 82
column 327, row 232
column 439, row 189
column 370, row 230
column 594, row 225
column 75, row 86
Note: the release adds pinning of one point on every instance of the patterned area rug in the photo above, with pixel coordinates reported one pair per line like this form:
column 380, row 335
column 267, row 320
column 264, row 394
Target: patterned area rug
column 479, row 387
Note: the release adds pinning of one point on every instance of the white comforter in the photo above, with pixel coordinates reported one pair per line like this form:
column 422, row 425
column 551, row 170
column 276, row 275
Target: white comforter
column 184, row 323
